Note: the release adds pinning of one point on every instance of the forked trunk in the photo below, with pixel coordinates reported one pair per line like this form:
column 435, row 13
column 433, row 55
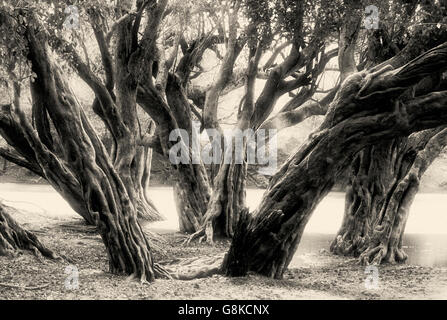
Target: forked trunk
column 374, row 173
column 364, row 112
column 387, row 229
column 141, row 173
column 227, row 201
column 228, row 197
column 379, row 171
column 103, row 189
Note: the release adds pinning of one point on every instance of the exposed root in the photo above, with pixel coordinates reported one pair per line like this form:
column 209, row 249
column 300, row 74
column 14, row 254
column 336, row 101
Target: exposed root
column 382, row 254
column 195, row 268
column 13, row 238
column 79, row 226
column 157, row 242
column 8, row 285
column 161, row 272
column 347, row 247
column 147, row 212
column 201, row 235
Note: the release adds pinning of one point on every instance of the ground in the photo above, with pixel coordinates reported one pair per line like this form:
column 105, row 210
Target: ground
column 318, row 276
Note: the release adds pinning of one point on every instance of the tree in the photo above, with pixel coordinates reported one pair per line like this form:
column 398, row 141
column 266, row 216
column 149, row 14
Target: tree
column 365, row 110
column 72, row 153
column 131, row 160
column 385, row 177
column 299, row 70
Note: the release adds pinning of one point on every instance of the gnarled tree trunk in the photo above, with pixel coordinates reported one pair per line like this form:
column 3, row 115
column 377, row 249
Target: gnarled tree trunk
column 374, row 173
column 172, row 111
column 191, row 195
column 84, row 156
column 226, row 203
column 377, row 172
column 13, row 237
column 365, row 110
column 385, row 235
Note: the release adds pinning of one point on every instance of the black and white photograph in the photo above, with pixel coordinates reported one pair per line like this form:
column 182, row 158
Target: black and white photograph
column 223, row 154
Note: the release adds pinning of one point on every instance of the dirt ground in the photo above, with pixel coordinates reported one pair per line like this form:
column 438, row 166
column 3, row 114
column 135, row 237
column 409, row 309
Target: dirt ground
column 318, row 276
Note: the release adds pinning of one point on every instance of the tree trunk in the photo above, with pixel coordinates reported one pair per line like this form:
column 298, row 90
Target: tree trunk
column 365, row 111
column 377, row 172
column 191, row 195
column 385, row 236
column 4, row 167
column 229, row 192
column 85, row 157
column 232, row 188
column 173, row 112
column 145, row 207
column 374, row 172
column 227, row 201
column 13, row 237
column 61, row 179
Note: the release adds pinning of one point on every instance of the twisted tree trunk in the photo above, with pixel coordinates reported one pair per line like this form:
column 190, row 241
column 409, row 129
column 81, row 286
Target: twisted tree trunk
column 226, row 203
column 385, row 236
column 13, row 237
column 173, row 112
column 374, row 173
column 141, row 173
column 377, row 172
column 379, row 169
column 365, row 110
column 87, row 162
column 191, row 195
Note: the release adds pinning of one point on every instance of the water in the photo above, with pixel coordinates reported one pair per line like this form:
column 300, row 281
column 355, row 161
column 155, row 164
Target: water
column 425, row 241
column 428, row 250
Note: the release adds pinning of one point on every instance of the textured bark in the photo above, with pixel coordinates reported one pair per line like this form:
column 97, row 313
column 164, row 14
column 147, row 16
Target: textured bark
column 130, row 160
column 191, row 185
column 374, row 173
column 85, row 157
column 141, row 177
column 225, row 205
column 61, row 179
column 365, row 110
column 231, row 200
column 384, row 240
column 191, row 195
column 377, row 173
column 347, row 39
column 13, row 237
column 228, row 197
column 118, row 113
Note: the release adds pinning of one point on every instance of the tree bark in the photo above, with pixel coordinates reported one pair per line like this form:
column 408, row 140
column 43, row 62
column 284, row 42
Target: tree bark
column 376, row 173
column 191, row 195
column 225, row 205
column 365, row 110
column 385, row 236
column 141, row 177
column 172, row 112
column 85, row 157
column 13, row 237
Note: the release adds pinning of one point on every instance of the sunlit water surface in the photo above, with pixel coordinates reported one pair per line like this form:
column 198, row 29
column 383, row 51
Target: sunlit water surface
column 425, row 241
